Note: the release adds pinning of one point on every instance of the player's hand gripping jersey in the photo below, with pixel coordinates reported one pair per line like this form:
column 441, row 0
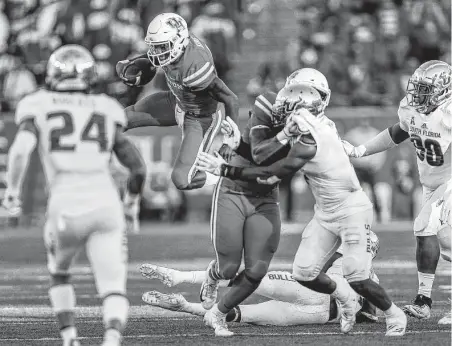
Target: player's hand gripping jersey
column 431, row 135
column 76, row 136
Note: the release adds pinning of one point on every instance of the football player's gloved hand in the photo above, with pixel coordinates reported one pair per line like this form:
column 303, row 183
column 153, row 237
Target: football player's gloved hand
column 136, row 72
column 269, row 181
column 210, row 163
column 226, row 152
column 11, row 202
column 291, row 128
column 131, row 212
column 231, row 133
column 353, row 151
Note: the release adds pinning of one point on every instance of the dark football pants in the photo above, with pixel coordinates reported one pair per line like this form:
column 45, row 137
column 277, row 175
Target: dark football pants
column 247, row 224
column 158, row 109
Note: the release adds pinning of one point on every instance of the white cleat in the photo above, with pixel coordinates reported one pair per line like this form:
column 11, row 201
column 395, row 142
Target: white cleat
column 209, row 289
column 447, row 319
column 217, row 320
column 348, row 313
column 165, row 275
column 173, row 302
column 420, row 308
column 396, row 325
column 72, row 342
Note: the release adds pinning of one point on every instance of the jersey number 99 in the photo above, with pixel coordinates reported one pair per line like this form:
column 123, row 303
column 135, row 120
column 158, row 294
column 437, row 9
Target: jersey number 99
column 96, row 121
column 429, row 150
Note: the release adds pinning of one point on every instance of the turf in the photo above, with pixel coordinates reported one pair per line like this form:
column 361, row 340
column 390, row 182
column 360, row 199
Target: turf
column 26, row 318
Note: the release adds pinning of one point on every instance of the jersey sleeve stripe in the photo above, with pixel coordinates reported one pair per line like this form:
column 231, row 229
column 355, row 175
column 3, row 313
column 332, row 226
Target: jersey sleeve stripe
column 203, row 78
column 263, row 108
column 259, row 127
column 265, row 101
column 197, row 73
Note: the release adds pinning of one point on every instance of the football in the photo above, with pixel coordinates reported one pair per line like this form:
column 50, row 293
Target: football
column 137, row 72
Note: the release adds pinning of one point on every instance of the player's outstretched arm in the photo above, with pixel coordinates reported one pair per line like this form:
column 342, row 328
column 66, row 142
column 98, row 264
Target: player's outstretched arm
column 220, row 92
column 18, row 159
column 385, row 140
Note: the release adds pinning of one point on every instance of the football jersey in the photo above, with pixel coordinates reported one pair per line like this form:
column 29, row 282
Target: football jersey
column 431, row 136
column 189, row 76
column 261, row 118
column 76, row 136
column 329, row 174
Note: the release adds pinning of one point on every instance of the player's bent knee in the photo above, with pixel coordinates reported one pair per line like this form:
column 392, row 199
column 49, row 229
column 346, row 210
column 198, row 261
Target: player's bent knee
column 305, row 273
column 228, row 271
column 180, row 179
column 444, row 239
column 258, row 271
column 359, row 285
column 354, row 269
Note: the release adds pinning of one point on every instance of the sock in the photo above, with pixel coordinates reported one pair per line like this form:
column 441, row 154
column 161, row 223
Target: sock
column 425, row 283
column 112, row 334
column 68, row 333
column 115, row 311
column 241, row 289
column 235, row 315
column 62, row 299
column 342, row 291
column 393, row 310
column 195, row 277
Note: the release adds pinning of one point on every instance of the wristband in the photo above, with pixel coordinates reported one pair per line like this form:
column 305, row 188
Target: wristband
column 282, row 137
column 231, row 172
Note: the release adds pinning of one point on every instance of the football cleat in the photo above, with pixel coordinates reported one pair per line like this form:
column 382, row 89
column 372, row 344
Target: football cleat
column 446, row 319
column 396, row 325
column 173, row 302
column 165, row 275
column 71, row 342
column 209, row 289
column 348, row 313
column 368, row 313
column 420, row 308
column 217, row 320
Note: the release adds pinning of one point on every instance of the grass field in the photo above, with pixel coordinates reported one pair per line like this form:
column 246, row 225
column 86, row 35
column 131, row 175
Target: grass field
column 26, row 318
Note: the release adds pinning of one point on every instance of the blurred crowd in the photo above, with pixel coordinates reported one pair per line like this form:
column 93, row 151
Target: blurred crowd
column 111, row 29
column 366, row 48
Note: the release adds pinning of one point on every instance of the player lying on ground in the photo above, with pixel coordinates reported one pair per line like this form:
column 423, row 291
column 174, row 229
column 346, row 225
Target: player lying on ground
column 425, row 117
column 343, row 212
column 77, row 133
column 290, row 304
column 191, row 103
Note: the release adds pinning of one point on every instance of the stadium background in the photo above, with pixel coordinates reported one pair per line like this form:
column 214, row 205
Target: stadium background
column 366, row 48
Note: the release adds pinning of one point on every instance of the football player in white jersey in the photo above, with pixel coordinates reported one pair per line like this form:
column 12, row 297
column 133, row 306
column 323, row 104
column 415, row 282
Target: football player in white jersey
column 290, row 303
column 425, row 117
column 343, row 212
column 76, row 133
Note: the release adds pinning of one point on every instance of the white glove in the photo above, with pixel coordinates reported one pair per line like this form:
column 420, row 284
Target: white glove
column 131, row 213
column 210, row 163
column 11, row 202
column 231, row 133
column 353, row 151
column 269, row 181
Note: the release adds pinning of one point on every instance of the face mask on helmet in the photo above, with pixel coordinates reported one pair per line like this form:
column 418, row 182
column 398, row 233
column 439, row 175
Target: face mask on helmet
column 430, row 86
column 293, row 97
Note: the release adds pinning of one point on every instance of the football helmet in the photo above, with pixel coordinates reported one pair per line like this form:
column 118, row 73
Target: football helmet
column 429, row 86
column 295, row 96
column 167, row 38
column 313, row 78
column 71, row 68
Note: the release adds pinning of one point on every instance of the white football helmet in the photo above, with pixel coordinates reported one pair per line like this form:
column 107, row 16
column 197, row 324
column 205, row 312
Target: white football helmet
column 167, row 38
column 293, row 97
column 71, row 68
column 313, row 78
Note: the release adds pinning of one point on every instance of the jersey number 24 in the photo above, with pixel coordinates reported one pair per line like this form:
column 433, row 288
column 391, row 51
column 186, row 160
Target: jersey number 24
column 96, row 121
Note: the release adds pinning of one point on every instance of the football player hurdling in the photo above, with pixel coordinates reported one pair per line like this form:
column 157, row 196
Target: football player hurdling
column 425, row 117
column 76, row 132
column 289, row 304
column 343, row 212
column 191, row 103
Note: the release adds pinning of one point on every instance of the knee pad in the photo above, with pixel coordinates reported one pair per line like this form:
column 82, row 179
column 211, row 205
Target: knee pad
column 354, row 269
column 257, row 271
column 444, row 239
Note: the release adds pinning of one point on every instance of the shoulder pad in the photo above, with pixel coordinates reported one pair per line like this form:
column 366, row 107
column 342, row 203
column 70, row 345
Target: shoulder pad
column 199, row 68
column 264, row 102
column 403, row 114
column 446, row 119
column 29, row 106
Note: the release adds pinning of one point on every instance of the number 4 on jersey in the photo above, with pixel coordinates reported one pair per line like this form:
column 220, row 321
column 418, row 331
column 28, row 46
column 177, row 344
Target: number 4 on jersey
column 94, row 131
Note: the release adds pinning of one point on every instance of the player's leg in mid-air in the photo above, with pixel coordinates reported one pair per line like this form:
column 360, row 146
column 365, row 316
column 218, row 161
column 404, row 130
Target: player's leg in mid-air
column 261, row 232
column 427, row 255
column 69, row 227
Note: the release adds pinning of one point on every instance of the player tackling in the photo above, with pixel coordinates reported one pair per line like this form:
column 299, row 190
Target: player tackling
column 425, row 117
column 191, row 103
column 76, row 133
column 343, row 213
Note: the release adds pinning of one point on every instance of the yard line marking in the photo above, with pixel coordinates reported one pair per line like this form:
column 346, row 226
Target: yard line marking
column 260, row 334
